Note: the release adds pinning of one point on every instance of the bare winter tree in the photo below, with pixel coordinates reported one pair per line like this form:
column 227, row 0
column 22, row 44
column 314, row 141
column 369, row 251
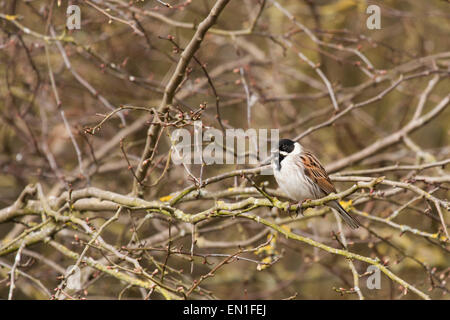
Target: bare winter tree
column 94, row 206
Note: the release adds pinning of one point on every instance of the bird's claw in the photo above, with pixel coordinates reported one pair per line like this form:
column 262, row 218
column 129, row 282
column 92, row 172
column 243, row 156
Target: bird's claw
column 299, row 208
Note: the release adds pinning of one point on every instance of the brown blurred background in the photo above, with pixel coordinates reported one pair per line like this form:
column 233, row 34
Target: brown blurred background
column 122, row 56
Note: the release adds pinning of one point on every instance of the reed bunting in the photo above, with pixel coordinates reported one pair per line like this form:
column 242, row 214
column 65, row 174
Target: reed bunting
column 301, row 176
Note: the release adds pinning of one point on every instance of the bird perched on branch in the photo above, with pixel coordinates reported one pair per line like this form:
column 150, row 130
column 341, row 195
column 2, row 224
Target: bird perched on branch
column 301, row 176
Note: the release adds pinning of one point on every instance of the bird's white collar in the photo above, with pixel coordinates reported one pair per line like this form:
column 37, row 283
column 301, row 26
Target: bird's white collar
column 297, row 149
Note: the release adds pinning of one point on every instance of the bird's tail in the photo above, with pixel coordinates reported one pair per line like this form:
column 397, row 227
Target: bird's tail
column 351, row 221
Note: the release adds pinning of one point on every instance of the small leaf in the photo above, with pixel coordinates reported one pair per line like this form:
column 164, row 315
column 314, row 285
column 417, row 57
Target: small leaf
column 165, row 198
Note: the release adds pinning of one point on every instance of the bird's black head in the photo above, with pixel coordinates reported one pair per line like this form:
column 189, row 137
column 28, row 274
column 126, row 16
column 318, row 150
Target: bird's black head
column 285, row 146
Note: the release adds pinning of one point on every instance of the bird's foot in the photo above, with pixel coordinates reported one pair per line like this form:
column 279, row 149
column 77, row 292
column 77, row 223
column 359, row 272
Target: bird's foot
column 289, row 211
column 300, row 207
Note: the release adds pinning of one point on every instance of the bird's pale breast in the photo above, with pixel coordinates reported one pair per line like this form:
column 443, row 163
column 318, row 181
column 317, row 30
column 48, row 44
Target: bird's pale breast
column 294, row 182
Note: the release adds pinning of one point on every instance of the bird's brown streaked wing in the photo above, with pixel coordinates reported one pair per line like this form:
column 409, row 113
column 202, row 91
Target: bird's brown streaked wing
column 316, row 172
